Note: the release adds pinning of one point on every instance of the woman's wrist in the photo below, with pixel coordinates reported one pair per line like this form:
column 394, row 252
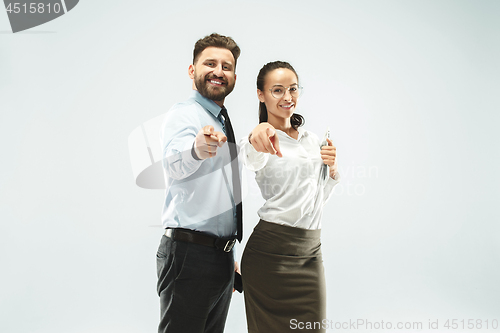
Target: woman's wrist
column 333, row 173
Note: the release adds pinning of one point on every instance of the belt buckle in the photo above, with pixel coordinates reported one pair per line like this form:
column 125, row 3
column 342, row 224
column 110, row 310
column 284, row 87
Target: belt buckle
column 229, row 245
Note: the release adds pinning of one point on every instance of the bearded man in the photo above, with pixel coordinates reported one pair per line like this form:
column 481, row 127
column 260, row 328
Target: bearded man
column 202, row 209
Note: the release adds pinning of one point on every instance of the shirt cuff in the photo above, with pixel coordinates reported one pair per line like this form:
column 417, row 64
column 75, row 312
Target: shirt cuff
column 253, row 159
column 193, row 153
column 332, row 182
column 189, row 157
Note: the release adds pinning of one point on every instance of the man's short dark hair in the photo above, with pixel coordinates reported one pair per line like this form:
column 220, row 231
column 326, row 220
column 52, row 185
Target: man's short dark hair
column 216, row 40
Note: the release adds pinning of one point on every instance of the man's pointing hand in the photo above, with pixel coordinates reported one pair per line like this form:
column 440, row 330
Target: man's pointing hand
column 207, row 141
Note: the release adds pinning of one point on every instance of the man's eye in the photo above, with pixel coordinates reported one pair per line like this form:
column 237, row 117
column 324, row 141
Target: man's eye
column 226, row 68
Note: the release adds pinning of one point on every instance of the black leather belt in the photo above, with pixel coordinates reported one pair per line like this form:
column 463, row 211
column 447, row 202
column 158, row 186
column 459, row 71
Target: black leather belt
column 191, row 236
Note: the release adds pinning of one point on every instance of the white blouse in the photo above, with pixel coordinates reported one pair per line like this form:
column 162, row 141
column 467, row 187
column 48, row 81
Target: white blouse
column 293, row 186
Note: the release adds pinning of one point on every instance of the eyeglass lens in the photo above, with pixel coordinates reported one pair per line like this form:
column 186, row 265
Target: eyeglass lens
column 279, row 91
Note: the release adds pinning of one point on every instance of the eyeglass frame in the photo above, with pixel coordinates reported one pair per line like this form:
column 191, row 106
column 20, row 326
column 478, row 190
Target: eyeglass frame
column 300, row 89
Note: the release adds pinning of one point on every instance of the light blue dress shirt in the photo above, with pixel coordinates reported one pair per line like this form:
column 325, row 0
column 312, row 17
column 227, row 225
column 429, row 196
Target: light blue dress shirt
column 198, row 192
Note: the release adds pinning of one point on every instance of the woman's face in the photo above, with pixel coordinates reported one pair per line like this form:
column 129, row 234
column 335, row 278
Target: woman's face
column 281, row 81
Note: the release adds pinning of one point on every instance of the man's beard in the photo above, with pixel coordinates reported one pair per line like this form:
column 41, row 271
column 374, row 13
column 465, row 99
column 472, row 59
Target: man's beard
column 212, row 92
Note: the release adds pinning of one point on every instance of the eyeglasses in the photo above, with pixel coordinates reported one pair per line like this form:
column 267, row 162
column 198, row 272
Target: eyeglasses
column 278, row 91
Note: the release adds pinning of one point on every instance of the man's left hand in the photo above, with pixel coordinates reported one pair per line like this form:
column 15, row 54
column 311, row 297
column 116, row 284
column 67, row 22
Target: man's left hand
column 236, row 269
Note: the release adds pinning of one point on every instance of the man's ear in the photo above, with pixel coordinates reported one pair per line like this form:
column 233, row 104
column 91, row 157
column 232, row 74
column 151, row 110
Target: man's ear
column 260, row 95
column 191, row 71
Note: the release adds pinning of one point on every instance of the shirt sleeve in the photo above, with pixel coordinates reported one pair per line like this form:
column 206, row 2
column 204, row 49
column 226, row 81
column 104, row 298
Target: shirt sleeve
column 178, row 134
column 253, row 160
column 329, row 186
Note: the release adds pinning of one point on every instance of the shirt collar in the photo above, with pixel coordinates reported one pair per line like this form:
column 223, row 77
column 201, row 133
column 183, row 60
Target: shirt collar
column 208, row 104
column 301, row 131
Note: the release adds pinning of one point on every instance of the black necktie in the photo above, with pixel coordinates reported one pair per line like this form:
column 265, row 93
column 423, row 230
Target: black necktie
column 235, row 173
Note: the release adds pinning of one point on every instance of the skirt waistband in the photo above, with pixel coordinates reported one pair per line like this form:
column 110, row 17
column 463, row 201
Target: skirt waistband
column 281, row 239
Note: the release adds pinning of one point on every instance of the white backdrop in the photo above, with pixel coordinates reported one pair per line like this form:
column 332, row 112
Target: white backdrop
column 408, row 88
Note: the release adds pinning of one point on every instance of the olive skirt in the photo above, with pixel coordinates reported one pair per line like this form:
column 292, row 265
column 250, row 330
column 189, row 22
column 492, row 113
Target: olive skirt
column 283, row 279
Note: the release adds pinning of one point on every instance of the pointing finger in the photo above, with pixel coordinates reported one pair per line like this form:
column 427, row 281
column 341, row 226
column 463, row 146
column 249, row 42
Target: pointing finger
column 220, row 137
column 276, row 145
column 269, row 143
column 208, row 130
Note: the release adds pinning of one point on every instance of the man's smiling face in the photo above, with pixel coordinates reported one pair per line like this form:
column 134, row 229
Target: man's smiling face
column 214, row 73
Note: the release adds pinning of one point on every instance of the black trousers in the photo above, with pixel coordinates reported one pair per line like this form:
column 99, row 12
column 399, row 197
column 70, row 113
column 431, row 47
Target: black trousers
column 195, row 285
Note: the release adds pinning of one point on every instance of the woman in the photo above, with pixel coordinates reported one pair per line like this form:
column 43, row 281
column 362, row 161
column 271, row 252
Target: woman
column 282, row 266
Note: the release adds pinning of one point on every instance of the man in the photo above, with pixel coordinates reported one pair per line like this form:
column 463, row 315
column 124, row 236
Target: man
column 202, row 210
